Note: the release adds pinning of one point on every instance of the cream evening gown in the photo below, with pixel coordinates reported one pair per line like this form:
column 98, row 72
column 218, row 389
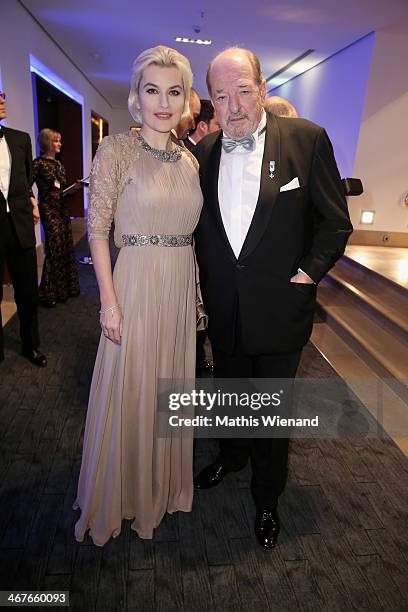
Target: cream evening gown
column 126, row 471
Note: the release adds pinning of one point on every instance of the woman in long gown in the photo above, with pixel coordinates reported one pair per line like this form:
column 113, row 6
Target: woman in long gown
column 59, row 279
column 150, row 186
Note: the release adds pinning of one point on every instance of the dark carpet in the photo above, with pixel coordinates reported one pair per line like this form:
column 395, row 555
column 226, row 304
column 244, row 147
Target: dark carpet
column 344, row 539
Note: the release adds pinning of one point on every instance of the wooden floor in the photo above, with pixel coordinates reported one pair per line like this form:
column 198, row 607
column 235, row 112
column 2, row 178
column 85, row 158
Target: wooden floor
column 344, row 539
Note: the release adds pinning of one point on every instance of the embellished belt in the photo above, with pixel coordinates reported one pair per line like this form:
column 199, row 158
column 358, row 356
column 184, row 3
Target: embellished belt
column 166, row 240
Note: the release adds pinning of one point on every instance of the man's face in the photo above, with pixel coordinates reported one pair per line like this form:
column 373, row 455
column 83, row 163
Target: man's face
column 187, row 124
column 237, row 97
column 213, row 126
column 3, row 112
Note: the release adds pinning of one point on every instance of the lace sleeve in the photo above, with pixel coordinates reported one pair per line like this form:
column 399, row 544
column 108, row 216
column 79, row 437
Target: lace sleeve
column 103, row 191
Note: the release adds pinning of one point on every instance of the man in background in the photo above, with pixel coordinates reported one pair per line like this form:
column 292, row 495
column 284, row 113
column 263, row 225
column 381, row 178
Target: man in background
column 188, row 122
column 18, row 214
column 206, row 123
column 280, row 107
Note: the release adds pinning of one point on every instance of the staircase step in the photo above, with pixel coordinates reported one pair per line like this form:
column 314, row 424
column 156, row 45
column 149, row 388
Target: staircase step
column 392, row 313
column 361, row 274
column 375, row 285
column 362, row 379
column 382, row 344
column 387, row 263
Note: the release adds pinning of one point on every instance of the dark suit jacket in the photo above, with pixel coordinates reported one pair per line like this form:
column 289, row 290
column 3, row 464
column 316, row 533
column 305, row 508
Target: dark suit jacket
column 306, row 227
column 189, row 145
column 21, row 211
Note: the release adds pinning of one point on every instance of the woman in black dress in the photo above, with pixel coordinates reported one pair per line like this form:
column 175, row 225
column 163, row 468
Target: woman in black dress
column 59, row 279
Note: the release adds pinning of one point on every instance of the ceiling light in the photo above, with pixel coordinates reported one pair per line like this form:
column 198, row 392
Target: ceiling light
column 194, row 41
column 287, row 72
column 367, row 217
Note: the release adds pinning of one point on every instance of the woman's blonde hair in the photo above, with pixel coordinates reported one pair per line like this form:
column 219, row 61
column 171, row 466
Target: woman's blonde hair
column 158, row 56
column 45, row 138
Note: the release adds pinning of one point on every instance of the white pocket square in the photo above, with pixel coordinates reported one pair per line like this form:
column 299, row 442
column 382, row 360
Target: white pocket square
column 293, row 184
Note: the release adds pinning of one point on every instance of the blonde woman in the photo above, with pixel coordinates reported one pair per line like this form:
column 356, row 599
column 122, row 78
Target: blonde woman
column 59, row 279
column 150, row 187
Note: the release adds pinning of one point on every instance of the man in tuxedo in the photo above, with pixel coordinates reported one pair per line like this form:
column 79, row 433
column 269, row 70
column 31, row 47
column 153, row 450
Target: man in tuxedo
column 18, row 213
column 188, row 122
column 206, row 123
column 274, row 221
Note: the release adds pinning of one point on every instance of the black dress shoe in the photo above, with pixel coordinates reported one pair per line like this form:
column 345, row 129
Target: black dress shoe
column 267, row 527
column 210, row 476
column 208, row 366
column 204, row 366
column 36, row 357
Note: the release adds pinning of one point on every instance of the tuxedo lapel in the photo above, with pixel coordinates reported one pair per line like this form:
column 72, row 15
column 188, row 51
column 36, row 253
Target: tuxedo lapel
column 212, row 171
column 269, row 188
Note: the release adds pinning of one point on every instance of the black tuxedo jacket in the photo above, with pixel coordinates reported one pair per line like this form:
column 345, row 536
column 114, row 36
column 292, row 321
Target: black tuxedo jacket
column 189, row 145
column 307, row 227
column 21, row 211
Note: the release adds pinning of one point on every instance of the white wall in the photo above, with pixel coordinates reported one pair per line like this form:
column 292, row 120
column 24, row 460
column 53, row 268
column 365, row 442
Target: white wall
column 120, row 121
column 332, row 95
column 360, row 95
column 20, row 35
column 382, row 151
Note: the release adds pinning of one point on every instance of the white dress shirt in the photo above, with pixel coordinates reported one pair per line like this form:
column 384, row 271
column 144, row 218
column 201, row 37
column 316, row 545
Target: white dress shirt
column 5, row 169
column 238, row 187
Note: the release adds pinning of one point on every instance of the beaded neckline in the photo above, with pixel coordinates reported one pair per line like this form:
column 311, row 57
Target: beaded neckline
column 173, row 155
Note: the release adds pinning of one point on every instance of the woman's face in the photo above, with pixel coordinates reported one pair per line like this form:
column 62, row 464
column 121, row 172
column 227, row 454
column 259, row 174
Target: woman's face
column 56, row 143
column 161, row 98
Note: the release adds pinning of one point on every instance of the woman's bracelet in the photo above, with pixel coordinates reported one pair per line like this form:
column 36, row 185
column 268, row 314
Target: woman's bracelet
column 111, row 309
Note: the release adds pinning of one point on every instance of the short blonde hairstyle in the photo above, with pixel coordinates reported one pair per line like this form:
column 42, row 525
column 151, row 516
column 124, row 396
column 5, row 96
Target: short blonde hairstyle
column 159, row 56
column 280, row 106
column 45, row 138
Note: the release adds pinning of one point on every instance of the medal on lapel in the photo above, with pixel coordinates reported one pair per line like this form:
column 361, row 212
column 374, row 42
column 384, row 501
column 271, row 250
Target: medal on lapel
column 271, row 169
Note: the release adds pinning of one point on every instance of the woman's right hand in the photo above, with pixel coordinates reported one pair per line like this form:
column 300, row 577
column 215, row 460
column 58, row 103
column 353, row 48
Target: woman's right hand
column 111, row 320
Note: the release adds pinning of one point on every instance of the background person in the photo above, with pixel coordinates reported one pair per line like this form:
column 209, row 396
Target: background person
column 280, row 106
column 18, row 213
column 187, row 122
column 59, row 279
column 206, row 123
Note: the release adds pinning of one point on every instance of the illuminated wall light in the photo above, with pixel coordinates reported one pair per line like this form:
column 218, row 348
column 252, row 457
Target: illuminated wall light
column 45, row 73
column 293, row 68
column 100, row 130
column 367, row 217
column 48, row 75
column 194, row 41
